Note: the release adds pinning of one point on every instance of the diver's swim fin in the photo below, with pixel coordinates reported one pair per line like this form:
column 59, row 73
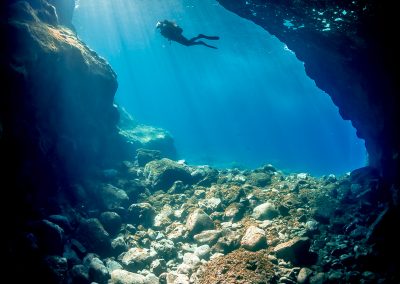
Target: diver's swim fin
column 208, row 37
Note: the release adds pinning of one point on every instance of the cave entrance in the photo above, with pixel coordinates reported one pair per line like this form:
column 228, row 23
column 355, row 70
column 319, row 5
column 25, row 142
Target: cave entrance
column 246, row 104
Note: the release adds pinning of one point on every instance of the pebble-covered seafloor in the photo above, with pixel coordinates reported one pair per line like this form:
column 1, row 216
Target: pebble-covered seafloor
column 167, row 222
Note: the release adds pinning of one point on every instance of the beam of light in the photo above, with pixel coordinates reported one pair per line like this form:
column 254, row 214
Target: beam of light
column 250, row 101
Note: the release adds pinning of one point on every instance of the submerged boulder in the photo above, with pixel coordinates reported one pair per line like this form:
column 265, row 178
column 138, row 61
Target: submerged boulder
column 141, row 214
column 254, row 239
column 143, row 156
column 120, row 276
column 162, row 174
column 93, row 236
column 198, row 221
column 113, row 197
column 136, row 258
column 149, row 137
column 265, row 211
column 297, row 251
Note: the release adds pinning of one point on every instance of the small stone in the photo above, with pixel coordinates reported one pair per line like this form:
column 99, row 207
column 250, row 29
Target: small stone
column 118, row 245
column 202, row 251
column 191, row 259
column 120, row 276
column 98, row 271
column 319, row 278
column 335, row 276
column 165, row 249
column 296, row 251
column 304, row 275
column 198, row 221
column 254, row 239
column 111, row 222
column 112, row 265
column 158, row 266
column 136, row 258
column 208, row 237
column 265, row 211
column 141, row 213
column 177, row 278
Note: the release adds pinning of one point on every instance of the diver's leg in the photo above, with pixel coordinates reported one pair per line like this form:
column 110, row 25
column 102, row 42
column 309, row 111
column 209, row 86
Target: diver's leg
column 208, row 37
column 202, row 43
column 203, row 36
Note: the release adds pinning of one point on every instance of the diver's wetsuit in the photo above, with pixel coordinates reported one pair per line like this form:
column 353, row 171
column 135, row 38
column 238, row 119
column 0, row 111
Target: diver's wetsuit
column 173, row 32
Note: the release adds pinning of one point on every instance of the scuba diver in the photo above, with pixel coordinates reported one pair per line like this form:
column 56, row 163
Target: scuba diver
column 172, row 31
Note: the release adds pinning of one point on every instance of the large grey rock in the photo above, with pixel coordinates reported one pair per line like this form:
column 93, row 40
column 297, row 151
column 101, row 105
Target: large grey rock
column 93, row 236
column 177, row 187
column 198, row 221
column 112, row 265
column 203, row 251
column 151, row 279
column 319, row 278
column 158, row 266
column 56, row 268
column 228, row 242
column 205, row 176
column 79, row 274
column 118, row 245
column 304, row 275
column 211, row 205
column 61, row 221
column 254, row 239
column 136, row 258
column 191, row 259
column 260, row 179
column 111, row 221
column 141, row 214
column 265, row 211
column 296, row 251
column 162, row 174
column 208, row 237
column 234, row 212
column 113, row 197
column 98, row 272
column 163, row 219
column 178, row 233
column 177, row 278
column 165, row 249
column 120, row 276
column 50, row 237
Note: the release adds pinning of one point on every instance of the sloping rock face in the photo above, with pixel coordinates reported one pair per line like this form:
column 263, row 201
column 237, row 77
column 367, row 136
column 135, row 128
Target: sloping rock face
column 347, row 48
column 57, row 117
column 57, row 113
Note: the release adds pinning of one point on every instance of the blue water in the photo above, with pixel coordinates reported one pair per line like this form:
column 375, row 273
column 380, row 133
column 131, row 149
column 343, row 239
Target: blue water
column 246, row 104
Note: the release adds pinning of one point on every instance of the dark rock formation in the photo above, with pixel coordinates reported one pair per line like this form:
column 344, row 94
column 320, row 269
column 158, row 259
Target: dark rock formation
column 57, row 119
column 57, row 112
column 161, row 174
column 348, row 49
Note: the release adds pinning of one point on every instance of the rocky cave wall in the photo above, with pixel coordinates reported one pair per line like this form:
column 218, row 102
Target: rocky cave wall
column 348, row 49
column 57, row 117
column 58, row 121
